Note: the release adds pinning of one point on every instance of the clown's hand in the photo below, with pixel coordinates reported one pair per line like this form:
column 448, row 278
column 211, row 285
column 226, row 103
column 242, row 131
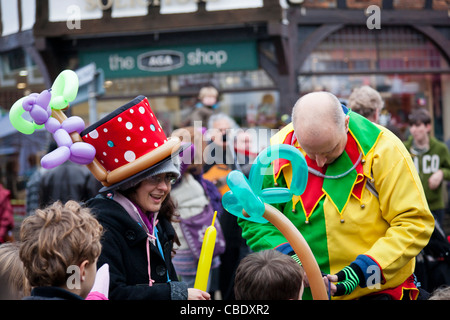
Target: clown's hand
column 347, row 280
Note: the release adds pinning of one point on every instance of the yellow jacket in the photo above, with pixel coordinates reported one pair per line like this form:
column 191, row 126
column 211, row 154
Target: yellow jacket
column 391, row 228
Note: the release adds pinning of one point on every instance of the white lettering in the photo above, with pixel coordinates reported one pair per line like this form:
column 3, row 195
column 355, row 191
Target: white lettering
column 373, row 281
column 73, row 281
column 374, row 19
column 430, row 163
column 197, row 310
column 117, row 62
column 160, row 61
column 74, row 18
column 199, row 57
column 426, row 168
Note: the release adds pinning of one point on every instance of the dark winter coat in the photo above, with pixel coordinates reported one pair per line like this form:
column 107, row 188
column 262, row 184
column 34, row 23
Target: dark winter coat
column 69, row 181
column 124, row 249
column 52, row 293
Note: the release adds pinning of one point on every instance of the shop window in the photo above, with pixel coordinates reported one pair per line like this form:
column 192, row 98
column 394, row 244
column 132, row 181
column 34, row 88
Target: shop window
column 248, row 96
column 361, row 49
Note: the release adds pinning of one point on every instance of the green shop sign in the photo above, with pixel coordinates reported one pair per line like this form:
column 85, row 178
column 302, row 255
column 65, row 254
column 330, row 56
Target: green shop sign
column 158, row 61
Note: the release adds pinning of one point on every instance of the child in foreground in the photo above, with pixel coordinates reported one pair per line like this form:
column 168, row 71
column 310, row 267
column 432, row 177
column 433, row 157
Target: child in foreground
column 13, row 284
column 268, row 275
column 59, row 250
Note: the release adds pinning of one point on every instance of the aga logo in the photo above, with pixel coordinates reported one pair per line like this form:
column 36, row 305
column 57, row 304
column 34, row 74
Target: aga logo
column 160, row 60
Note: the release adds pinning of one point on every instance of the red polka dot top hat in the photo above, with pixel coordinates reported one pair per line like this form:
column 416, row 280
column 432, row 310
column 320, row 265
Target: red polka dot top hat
column 131, row 145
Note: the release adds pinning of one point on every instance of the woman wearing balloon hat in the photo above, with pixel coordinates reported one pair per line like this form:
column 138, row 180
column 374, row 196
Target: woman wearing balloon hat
column 135, row 207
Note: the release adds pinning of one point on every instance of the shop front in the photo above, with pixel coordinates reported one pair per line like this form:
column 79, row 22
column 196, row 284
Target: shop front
column 171, row 77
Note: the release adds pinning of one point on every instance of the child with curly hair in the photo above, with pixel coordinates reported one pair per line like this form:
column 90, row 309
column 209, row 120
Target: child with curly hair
column 59, row 250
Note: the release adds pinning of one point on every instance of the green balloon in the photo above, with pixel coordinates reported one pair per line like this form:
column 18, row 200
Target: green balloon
column 64, row 89
column 22, row 125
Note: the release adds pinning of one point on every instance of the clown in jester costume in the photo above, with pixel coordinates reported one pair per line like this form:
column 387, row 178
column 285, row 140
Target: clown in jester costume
column 364, row 215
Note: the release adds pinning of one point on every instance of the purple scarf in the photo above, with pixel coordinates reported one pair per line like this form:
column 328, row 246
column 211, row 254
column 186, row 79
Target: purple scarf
column 147, row 217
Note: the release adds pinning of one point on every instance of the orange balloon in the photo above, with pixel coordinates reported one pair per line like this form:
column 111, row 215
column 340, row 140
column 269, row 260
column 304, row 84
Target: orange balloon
column 301, row 248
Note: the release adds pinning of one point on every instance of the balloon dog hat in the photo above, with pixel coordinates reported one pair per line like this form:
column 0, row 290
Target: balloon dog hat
column 120, row 149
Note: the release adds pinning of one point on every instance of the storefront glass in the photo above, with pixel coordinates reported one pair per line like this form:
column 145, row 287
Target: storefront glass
column 172, row 97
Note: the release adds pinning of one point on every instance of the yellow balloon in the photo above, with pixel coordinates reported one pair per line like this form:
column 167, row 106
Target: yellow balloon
column 206, row 255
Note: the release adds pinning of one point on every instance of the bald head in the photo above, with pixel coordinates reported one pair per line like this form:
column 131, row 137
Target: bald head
column 320, row 126
column 318, row 111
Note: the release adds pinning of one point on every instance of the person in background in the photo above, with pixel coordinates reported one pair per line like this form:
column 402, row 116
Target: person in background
column 206, row 106
column 431, row 158
column 6, row 216
column 367, row 102
column 197, row 199
column 32, row 201
column 220, row 159
column 69, row 181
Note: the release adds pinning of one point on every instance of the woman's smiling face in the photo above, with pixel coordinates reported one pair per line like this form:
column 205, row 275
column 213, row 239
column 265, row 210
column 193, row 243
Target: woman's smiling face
column 151, row 192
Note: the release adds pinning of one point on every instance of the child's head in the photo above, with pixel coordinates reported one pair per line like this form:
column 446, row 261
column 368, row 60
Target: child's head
column 419, row 116
column 208, row 95
column 13, row 284
column 268, row 275
column 441, row 293
column 61, row 244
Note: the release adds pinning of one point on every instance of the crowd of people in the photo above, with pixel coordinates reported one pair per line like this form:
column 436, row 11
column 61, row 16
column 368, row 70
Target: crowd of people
column 372, row 212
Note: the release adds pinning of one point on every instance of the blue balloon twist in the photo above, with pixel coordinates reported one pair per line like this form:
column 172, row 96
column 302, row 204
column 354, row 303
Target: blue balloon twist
column 247, row 194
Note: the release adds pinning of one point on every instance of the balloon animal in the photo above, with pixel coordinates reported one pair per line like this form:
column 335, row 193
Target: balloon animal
column 248, row 201
column 40, row 108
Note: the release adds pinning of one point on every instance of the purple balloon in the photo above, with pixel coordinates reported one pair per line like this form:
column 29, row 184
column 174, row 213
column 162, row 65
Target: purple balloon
column 52, row 125
column 39, row 115
column 55, row 158
column 82, row 153
column 73, row 124
column 62, row 138
column 29, row 101
column 43, row 100
column 38, row 106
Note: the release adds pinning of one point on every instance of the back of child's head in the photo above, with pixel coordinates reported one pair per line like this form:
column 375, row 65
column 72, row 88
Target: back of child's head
column 441, row 293
column 55, row 238
column 13, row 284
column 268, row 275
